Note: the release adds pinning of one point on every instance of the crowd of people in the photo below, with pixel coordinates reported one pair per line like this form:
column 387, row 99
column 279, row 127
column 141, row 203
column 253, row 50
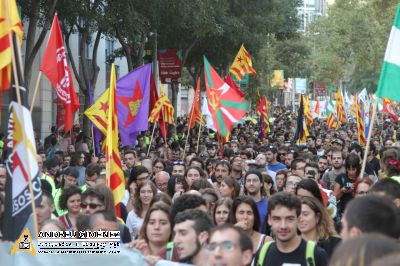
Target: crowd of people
column 252, row 200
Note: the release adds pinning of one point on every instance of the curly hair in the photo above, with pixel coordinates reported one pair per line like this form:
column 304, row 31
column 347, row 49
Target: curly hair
column 66, row 194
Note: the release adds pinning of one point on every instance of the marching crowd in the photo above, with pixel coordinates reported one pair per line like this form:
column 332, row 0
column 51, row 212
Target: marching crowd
column 252, row 200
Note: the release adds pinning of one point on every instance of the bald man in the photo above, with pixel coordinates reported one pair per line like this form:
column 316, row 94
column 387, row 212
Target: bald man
column 162, row 179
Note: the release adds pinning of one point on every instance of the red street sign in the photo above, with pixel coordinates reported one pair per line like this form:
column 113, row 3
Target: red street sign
column 170, row 65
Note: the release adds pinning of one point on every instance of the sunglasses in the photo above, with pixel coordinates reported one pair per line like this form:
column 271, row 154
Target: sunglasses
column 91, row 205
column 178, row 163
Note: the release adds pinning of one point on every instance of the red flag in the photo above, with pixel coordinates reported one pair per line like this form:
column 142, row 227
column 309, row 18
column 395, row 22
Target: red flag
column 388, row 108
column 195, row 114
column 153, row 100
column 55, row 67
column 233, row 85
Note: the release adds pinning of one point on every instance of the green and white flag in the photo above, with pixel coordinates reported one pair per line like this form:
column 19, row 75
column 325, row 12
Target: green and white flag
column 330, row 108
column 389, row 81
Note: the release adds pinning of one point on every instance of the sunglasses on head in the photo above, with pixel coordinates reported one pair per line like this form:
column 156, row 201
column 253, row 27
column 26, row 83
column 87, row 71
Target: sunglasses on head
column 178, row 163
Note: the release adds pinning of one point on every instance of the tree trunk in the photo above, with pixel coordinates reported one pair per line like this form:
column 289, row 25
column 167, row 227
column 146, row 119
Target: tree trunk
column 33, row 48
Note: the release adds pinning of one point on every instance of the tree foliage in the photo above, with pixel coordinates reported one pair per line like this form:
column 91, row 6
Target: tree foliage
column 349, row 44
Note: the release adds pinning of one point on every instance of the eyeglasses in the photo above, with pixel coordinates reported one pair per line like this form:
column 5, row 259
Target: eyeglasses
column 162, row 185
column 362, row 192
column 91, row 205
column 224, row 246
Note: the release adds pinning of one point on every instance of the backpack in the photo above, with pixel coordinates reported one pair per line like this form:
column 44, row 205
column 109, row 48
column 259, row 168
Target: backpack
column 309, row 253
column 169, row 251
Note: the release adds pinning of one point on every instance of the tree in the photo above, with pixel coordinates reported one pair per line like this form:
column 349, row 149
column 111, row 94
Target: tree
column 37, row 13
column 85, row 18
column 349, row 44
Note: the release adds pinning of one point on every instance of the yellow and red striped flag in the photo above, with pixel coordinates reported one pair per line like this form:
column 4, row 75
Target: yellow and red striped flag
column 307, row 111
column 258, row 97
column 339, row 107
column 114, row 174
column 9, row 22
column 242, row 64
column 360, row 124
column 195, row 114
column 262, row 110
column 164, row 106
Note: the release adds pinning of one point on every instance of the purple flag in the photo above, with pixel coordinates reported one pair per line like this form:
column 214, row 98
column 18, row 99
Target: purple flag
column 97, row 136
column 133, row 91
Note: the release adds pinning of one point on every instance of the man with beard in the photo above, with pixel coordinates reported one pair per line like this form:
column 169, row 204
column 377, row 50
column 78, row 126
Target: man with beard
column 273, row 165
column 191, row 232
column 337, row 169
column 222, row 170
column 130, row 159
column 237, row 167
column 322, row 164
column 289, row 249
column 319, row 147
column 254, row 188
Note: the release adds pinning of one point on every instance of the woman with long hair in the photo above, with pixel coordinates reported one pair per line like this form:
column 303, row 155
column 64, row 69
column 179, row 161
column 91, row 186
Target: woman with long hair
column 78, row 160
column 316, row 224
column 176, row 186
column 144, row 198
column 194, row 173
column 70, row 201
column 156, row 230
column 344, row 183
column 221, row 211
column 229, row 188
column 244, row 214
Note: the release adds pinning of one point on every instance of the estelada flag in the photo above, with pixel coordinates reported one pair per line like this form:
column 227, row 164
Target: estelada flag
column 242, row 64
column 225, row 104
column 55, row 67
column 98, row 112
column 21, row 165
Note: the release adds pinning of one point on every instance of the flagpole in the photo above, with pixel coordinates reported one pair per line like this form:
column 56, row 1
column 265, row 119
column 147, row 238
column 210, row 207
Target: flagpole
column 151, row 139
column 198, row 138
column 374, row 106
column 39, row 77
column 188, row 131
column 15, row 74
column 36, row 90
column 93, row 144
